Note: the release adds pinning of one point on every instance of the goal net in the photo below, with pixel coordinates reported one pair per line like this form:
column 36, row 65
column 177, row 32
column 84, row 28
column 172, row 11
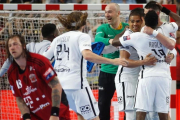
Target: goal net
column 27, row 20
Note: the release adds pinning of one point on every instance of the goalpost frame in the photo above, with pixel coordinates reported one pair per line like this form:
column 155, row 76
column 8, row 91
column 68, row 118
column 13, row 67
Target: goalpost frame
column 93, row 7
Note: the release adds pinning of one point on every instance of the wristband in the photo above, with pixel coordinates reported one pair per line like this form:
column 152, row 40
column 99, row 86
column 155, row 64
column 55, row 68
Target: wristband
column 155, row 33
column 55, row 111
column 166, row 11
column 26, row 116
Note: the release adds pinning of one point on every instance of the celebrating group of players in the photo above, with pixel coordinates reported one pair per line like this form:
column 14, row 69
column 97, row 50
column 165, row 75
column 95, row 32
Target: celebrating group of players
column 142, row 80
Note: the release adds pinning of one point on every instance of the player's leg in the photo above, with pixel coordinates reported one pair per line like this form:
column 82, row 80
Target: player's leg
column 106, row 92
column 80, row 117
column 130, row 115
column 144, row 101
column 163, row 116
column 152, row 116
column 83, row 103
column 126, row 94
column 140, row 115
column 162, row 98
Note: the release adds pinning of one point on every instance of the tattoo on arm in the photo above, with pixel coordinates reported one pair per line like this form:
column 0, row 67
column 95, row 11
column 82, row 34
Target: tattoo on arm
column 22, row 105
column 56, row 92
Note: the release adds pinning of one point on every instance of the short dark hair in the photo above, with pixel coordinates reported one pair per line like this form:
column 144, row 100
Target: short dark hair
column 48, row 29
column 151, row 19
column 22, row 41
column 153, row 5
column 137, row 12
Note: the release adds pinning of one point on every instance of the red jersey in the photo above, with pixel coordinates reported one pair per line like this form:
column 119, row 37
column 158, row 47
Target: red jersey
column 32, row 85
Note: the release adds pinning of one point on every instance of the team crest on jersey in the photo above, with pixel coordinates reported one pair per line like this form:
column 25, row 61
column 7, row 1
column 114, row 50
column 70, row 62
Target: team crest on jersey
column 172, row 35
column 126, row 37
column 49, row 73
column 32, row 77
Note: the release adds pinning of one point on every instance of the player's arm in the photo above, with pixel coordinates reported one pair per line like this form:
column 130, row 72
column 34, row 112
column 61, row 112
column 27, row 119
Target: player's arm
column 56, row 97
column 100, row 36
column 90, row 56
column 171, row 55
column 116, row 41
column 5, row 67
column 173, row 15
column 135, row 63
column 167, row 42
column 23, row 108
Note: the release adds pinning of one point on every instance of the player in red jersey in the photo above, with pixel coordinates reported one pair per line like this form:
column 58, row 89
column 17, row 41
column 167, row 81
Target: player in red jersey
column 34, row 83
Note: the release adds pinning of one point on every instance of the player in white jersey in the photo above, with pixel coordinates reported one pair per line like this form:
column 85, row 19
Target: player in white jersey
column 126, row 78
column 49, row 32
column 168, row 29
column 152, row 77
column 71, row 50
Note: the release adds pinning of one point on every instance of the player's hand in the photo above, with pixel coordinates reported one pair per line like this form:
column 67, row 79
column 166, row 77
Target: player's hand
column 148, row 30
column 54, row 118
column 159, row 4
column 150, row 60
column 169, row 58
column 120, row 61
column 146, row 10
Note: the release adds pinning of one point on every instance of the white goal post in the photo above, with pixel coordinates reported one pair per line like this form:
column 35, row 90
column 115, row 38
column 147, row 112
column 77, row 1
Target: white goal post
column 28, row 19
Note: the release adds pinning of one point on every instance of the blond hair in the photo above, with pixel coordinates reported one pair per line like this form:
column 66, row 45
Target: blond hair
column 73, row 21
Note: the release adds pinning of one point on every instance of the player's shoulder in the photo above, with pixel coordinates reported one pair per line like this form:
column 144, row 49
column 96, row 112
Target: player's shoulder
column 12, row 69
column 105, row 25
column 125, row 24
column 37, row 59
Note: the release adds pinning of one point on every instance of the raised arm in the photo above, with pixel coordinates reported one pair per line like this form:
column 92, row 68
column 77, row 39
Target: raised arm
column 173, row 15
column 23, row 108
column 56, row 98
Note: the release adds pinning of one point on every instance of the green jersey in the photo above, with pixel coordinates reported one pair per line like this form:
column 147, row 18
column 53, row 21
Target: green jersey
column 103, row 34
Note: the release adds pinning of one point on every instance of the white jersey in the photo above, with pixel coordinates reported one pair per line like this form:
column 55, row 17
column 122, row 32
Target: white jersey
column 125, row 73
column 35, row 47
column 70, row 65
column 38, row 47
column 145, row 44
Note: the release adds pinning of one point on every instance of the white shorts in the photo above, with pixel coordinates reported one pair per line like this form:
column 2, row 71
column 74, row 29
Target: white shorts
column 126, row 95
column 153, row 94
column 82, row 101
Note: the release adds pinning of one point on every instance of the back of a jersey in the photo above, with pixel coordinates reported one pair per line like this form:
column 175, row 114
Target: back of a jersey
column 70, row 65
column 145, row 44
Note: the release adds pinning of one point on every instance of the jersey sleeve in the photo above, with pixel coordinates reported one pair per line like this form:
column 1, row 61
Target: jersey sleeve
column 100, row 36
column 5, row 67
column 127, row 48
column 128, row 39
column 171, row 27
column 84, row 42
column 50, row 51
column 47, row 72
